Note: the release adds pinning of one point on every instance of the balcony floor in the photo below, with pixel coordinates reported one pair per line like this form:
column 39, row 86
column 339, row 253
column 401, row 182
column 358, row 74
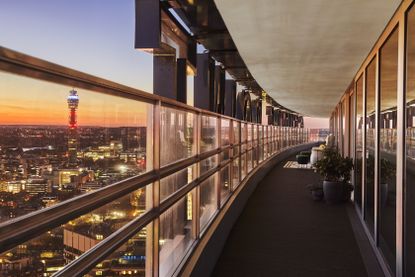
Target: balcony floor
column 283, row 232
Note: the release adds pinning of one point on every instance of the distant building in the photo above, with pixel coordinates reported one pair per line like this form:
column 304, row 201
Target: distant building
column 73, row 101
column 38, row 186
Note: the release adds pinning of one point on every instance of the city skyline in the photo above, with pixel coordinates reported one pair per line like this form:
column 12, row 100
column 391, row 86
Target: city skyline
column 33, row 102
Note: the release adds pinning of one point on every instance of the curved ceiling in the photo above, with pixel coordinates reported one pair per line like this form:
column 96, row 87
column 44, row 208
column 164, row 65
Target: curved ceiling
column 305, row 53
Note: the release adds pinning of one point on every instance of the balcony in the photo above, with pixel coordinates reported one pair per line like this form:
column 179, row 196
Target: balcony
column 100, row 178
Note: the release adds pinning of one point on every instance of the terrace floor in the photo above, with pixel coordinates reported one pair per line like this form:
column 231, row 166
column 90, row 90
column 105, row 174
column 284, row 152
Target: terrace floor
column 283, row 232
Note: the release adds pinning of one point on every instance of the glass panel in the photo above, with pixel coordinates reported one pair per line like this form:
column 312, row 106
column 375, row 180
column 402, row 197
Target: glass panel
column 409, row 224
column 261, row 153
column 176, row 234
column 255, row 155
column 133, row 258
column 343, row 122
column 260, row 133
column 243, row 132
column 243, row 166
column 225, row 131
column 51, row 251
column 224, row 155
column 209, row 134
column 208, row 163
column 62, row 142
column 359, row 144
column 176, row 135
column 208, row 200
column 236, row 135
column 174, row 182
column 235, row 177
column 235, row 151
column 225, row 186
column 387, row 147
column 244, row 147
column 370, row 143
column 249, row 160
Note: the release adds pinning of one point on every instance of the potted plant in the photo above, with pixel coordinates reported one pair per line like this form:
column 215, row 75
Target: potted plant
column 387, row 173
column 316, row 191
column 336, row 173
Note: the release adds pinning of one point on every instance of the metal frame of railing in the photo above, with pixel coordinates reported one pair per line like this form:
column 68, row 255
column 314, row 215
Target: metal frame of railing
column 24, row 228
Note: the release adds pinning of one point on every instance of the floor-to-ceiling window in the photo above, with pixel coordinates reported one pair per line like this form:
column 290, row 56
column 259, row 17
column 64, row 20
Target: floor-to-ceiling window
column 410, row 147
column 343, row 126
column 387, row 147
column 358, row 143
column 370, row 144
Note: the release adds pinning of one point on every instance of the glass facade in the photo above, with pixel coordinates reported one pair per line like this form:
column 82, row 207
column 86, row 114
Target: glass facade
column 409, row 231
column 383, row 142
column 387, row 148
column 369, row 157
column 358, row 143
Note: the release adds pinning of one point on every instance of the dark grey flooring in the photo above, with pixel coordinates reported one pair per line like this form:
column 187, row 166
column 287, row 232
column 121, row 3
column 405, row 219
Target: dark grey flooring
column 282, row 232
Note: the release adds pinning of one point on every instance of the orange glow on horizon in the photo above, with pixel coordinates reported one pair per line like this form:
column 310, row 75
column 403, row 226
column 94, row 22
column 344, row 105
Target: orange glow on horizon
column 26, row 101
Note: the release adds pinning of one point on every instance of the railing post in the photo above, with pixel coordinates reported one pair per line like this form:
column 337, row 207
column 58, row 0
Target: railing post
column 219, row 157
column 196, row 198
column 156, row 188
column 231, row 154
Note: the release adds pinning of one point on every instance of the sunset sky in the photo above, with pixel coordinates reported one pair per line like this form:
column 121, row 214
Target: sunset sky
column 32, row 102
column 94, row 36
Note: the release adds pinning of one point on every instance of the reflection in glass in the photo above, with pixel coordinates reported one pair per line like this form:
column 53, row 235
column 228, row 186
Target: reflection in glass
column 208, row 200
column 370, row 144
column 176, row 234
column 343, row 131
column 243, row 166
column 387, row 147
column 224, row 183
column 208, row 164
column 255, row 135
column 176, row 135
column 209, row 140
column 243, row 132
column 225, row 131
column 132, row 258
column 409, row 231
column 174, row 182
column 54, row 249
column 235, row 173
column 60, row 142
column 249, row 160
column 358, row 143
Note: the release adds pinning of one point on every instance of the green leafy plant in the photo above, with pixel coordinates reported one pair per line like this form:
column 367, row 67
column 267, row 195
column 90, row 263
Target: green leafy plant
column 333, row 167
column 387, row 169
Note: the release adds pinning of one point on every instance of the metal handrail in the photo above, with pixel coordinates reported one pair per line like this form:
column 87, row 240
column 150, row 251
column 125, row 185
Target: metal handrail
column 29, row 66
column 16, row 231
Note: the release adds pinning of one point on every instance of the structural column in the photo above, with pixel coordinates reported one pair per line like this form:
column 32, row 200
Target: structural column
column 204, row 82
column 164, row 73
column 182, row 80
column 230, row 97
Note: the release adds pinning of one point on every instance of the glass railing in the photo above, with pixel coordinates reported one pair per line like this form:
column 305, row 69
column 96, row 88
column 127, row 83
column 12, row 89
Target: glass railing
column 99, row 179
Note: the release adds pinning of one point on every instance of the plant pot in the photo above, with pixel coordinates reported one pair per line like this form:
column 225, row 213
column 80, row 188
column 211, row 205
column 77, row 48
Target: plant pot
column 347, row 192
column 333, row 192
column 317, row 194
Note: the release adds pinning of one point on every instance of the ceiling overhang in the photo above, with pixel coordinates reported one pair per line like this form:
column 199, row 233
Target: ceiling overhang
column 305, row 53
column 207, row 27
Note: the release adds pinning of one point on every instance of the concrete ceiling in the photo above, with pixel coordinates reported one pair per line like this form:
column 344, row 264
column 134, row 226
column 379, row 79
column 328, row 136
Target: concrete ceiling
column 304, row 53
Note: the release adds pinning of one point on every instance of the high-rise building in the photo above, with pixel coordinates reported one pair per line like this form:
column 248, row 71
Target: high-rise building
column 73, row 101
